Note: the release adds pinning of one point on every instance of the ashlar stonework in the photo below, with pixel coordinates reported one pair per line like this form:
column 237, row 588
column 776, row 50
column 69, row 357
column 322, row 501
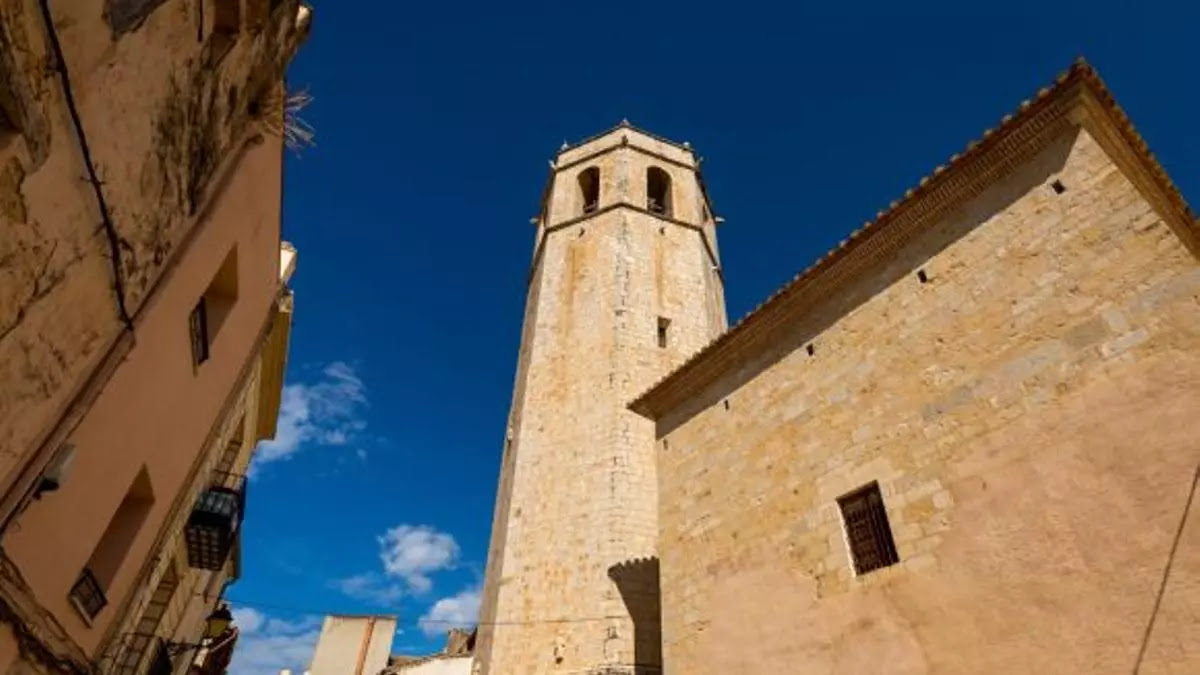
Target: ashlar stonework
column 1008, row 358
column 625, row 285
column 1012, row 356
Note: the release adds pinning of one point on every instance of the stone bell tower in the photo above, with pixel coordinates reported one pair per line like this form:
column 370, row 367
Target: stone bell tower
column 625, row 285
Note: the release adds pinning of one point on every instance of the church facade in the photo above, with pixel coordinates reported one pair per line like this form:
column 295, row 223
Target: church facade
column 963, row 441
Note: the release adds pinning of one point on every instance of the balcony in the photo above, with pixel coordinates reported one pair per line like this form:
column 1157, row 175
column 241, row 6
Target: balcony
column 213, row 527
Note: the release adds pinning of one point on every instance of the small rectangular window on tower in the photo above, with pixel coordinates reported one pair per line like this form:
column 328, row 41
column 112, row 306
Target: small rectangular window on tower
column 663, row 324
column 868, row 532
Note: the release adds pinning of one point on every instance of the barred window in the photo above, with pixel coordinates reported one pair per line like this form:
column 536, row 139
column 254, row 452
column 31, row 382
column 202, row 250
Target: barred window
column 868, row 532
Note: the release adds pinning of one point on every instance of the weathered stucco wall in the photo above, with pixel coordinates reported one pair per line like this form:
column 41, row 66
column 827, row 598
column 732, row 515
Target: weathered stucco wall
column 160, row 115
column 1029, row 414
column 577, row 493
column 158, row 409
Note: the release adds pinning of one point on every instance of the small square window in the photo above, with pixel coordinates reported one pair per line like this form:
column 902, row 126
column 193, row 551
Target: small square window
column 868, row 532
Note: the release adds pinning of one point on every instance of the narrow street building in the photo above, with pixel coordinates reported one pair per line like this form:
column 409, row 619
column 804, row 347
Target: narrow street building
column 144, row 320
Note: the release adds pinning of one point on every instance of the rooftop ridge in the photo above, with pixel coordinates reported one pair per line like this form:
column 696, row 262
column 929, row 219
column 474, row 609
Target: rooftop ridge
column 1080, row 73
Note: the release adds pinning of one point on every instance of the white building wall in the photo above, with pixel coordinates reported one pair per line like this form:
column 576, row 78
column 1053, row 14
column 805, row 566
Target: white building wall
column 342, row 640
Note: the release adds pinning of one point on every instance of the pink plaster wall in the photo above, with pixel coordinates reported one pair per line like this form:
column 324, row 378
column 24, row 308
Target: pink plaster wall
column 158, row 408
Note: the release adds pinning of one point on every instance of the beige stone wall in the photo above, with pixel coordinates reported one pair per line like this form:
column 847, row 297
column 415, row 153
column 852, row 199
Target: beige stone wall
column 577, row 492
column 1030, row 416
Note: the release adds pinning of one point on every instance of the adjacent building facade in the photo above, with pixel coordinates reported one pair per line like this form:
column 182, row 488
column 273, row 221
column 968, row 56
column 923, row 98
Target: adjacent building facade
column 353, row 645
column 962, row 442
column 144, row 319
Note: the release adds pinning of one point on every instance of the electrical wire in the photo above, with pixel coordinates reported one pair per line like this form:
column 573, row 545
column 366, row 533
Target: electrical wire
column 254, row 604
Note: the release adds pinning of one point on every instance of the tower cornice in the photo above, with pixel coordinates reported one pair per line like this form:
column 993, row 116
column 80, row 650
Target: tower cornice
column 550, row 229
column 623, row 143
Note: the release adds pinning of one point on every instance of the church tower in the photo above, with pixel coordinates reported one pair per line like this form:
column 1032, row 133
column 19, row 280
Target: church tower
column 625, row 285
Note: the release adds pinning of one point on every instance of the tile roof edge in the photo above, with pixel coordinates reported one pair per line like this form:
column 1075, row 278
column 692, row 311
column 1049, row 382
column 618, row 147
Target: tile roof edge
column 667, row 392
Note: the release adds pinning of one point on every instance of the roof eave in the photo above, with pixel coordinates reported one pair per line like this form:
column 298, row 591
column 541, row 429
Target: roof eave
column 1091, row 105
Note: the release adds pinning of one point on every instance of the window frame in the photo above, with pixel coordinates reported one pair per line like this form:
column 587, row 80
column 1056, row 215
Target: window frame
column 867, row 529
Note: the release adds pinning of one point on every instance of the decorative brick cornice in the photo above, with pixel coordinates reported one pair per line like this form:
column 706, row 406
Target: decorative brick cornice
column 1077, row 99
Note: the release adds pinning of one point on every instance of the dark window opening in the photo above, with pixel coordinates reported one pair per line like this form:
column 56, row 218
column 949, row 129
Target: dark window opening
column 213, row 308
column 922, row 277
column 162, row 663
column 868, row 532
column 227, row 22
column 658, row 191
column 727, row 404
column 810, row 349
column 589, row 188
column 198, row 330
column 87, row 594
column 663, row 325
column 1058, row 187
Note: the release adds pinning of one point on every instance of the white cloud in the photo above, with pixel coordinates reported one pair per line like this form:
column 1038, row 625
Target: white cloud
column 370, row 587
column 326, row 412
column 411, row 553
column 458, row 611
column 267, row 645
column 248, row 620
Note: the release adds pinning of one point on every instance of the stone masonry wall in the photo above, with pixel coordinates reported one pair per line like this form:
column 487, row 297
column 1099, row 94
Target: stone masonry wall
column 579, row 489
column 1029, row 414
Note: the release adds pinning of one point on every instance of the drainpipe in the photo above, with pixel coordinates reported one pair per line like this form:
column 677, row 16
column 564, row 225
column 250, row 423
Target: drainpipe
column 20, row 492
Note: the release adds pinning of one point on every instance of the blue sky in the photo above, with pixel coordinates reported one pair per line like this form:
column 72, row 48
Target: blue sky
column 434, row 123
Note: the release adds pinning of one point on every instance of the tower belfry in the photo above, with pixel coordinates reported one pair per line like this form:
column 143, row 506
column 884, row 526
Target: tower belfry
column 625, row 286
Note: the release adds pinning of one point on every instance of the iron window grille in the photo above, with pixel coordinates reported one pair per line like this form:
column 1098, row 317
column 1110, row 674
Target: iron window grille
column 216, row 519
column 868, row 531
column 88, row 594
column 198, row 328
